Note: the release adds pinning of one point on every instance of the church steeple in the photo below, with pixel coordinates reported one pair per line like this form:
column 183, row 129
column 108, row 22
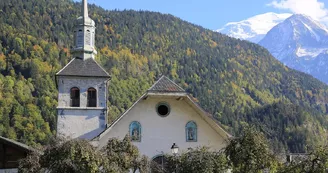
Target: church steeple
column 85, row 9
column 82, row 85
column 84, row 35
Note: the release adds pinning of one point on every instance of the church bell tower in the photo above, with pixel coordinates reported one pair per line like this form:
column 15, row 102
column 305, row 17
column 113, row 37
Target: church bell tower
column 82, row 85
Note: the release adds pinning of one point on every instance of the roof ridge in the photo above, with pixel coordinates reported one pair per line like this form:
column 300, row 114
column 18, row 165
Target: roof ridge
column 65, row 66
column 164, row 84
column 101, row 67
column 20, row 144
column 156, row 82
column 174, row 83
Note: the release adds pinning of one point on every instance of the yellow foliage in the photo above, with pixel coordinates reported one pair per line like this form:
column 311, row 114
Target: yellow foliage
column 190, row 52
column 111, row 30
column 43, row 67
column 29, row 127
column 106, row 28
column 234, row 86
column 213, row 44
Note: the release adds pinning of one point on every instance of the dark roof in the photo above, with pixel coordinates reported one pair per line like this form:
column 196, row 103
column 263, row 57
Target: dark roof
column 17, row 144
column 79, row 67
column 164, row 84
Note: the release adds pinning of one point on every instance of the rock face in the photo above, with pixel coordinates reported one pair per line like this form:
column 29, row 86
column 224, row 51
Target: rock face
column 255, row 28
column 300, row 43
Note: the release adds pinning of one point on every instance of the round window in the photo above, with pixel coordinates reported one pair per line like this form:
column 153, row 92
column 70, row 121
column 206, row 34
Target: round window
column 163, row 109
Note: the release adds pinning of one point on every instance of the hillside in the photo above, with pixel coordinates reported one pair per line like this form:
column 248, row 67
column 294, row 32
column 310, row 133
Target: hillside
column 237, row 81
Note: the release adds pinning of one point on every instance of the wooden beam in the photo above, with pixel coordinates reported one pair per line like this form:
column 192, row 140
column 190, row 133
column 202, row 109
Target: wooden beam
column 3, row 156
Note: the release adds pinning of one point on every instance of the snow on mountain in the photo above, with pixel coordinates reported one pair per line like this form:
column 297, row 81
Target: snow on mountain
column 300, row 43
column 254, row 28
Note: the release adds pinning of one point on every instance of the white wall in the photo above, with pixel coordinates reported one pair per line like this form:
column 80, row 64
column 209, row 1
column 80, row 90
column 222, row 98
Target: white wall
column 83, row 83
column 8, row 170
column 83, row 122
column 158, row 133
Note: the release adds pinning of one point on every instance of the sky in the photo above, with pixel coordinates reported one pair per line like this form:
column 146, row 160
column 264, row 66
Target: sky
column 214, row 14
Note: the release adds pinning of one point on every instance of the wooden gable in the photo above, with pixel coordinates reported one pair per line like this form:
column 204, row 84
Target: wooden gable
column 11, row 152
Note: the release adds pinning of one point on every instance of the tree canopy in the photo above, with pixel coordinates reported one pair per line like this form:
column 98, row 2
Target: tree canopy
column 78, row 155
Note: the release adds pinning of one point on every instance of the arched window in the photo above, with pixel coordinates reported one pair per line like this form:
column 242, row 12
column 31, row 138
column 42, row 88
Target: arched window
column 159, row 164
column 74, row 38
column 92, row 97
column 75, row 97
column 135, row 131
column 191, row 132
column 93, row 39
column 88, row 38
column 80, row 38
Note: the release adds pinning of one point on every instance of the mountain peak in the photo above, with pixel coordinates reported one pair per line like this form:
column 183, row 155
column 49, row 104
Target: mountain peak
column 305, row 20
column 253, row 28
column 298, row 28
column 300, row 42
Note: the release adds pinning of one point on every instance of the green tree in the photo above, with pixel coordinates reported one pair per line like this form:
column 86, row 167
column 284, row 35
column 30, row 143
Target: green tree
column 250, row 153
column 314, row 162
column 79, row 156
column 124, row 156
column 74, row 156
column 197, row 160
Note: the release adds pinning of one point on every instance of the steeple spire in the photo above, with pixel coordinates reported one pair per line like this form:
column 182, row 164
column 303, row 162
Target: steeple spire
column 85, row 9
column 84, row 35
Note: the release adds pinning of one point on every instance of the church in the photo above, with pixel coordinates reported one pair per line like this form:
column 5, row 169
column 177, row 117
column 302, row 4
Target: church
column 164, row 115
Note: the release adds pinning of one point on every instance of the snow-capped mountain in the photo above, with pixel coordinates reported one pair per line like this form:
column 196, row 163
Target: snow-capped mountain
column 254, row 28
column 300, row 43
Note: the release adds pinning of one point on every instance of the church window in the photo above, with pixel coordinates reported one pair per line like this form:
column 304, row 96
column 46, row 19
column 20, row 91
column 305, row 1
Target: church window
column 92, row 97
column 135, row 131
column 80, row 38
column 93, row 39
column 191, row 131
column 163, row 109
column 75, row 97
column 159, row 164
column 88, row 38
column 74, row 38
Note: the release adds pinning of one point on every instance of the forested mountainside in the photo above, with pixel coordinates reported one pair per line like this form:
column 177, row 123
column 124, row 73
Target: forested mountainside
column 237, row 81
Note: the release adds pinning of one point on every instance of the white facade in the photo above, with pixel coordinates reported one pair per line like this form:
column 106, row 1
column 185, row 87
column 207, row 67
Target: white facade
column 159, row 133
column 83, row 122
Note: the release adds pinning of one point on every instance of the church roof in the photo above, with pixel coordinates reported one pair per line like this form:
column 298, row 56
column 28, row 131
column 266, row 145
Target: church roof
column 87, row 68
column 164, row 84
column 16, row 144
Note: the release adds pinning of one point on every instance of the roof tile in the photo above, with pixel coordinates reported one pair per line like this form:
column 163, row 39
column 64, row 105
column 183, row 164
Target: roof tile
column 79, row 67
column 164, row 84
